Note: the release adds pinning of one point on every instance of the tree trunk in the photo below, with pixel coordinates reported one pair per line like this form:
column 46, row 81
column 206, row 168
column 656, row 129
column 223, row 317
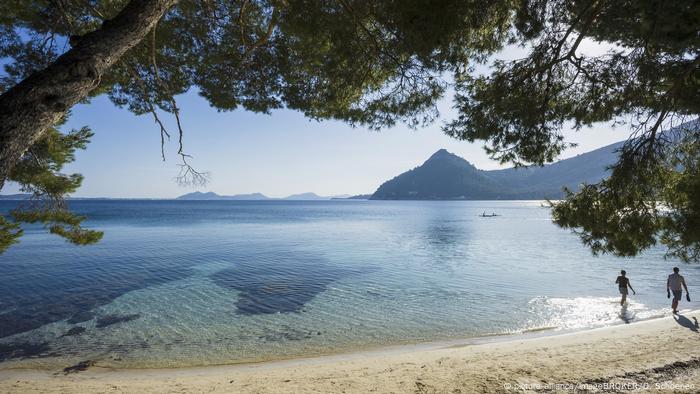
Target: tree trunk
column 29, row 108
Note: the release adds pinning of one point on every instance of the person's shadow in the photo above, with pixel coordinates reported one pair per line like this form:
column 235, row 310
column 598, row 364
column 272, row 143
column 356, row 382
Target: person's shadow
column 685, row 322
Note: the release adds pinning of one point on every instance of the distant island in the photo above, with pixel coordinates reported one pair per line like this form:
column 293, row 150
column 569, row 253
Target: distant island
column 200, row 196
column 446, row 176
column 356, row 197
column 306, row 197
column 214, row 196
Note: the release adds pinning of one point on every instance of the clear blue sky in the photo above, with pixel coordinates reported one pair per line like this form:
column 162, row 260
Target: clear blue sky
column 279, row 154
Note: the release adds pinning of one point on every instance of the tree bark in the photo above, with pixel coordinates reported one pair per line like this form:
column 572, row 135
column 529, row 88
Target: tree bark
column 29, row 108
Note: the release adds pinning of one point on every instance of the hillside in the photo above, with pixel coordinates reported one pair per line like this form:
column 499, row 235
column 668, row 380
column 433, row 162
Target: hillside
column 445, row 176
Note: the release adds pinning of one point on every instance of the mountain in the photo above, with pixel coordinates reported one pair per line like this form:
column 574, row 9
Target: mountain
column 360, row 197
column 213, row 196
column 445, row 176
column 250, row 196
column 306, row 197
column 199, row 196
column 534, row 182
column 355, row 197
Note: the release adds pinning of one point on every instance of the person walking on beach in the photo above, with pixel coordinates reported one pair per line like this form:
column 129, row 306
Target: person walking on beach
column 675, row 284
column 623, row 283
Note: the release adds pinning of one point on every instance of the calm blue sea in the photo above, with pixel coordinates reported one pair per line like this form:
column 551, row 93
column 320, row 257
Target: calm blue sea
column 178, row 283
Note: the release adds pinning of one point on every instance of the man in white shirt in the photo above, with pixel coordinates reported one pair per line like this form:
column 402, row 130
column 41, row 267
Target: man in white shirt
column 675, row 284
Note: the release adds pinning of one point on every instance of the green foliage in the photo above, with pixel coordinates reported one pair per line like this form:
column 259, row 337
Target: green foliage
column 38, row 173
column 9, row 233
column 648, row 198
column 680, row 228
column 366, row 62
column 651, row 71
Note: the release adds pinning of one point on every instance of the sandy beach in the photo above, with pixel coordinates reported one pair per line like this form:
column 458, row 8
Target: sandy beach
column 661, row 355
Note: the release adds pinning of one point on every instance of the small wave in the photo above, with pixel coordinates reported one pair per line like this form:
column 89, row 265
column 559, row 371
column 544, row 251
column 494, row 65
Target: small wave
column 538, row 329
column 584, row 312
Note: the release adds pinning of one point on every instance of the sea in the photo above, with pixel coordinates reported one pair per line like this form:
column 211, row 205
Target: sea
column 194, row 283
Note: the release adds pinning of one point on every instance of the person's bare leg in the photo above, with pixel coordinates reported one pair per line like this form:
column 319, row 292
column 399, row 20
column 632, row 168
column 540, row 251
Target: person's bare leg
column 624, row 298
column 675, row 305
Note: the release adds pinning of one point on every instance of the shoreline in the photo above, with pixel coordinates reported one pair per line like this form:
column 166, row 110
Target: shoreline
column 361, row 351
column 661, row 346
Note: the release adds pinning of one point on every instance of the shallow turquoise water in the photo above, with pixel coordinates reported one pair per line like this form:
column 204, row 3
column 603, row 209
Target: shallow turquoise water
column 178, row 283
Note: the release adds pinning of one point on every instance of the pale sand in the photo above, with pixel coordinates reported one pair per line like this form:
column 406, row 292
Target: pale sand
column 661, row 351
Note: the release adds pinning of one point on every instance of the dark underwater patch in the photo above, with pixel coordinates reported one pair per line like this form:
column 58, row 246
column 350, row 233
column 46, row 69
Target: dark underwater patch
column 11, row 351
column 77, row 330
column 287, row 333
column 278, row 283
column 58, row 293
column 108, row 320
column 81, row 316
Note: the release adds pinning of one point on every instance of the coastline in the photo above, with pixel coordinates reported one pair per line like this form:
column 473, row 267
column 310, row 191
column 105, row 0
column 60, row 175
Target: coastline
column 361, row 350
column 652, row 355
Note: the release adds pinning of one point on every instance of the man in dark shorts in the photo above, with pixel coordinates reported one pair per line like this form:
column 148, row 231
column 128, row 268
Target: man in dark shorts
column 675, row 284
column 623, row 283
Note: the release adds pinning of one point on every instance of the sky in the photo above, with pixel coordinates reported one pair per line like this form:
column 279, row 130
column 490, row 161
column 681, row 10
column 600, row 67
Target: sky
column 279, row 154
